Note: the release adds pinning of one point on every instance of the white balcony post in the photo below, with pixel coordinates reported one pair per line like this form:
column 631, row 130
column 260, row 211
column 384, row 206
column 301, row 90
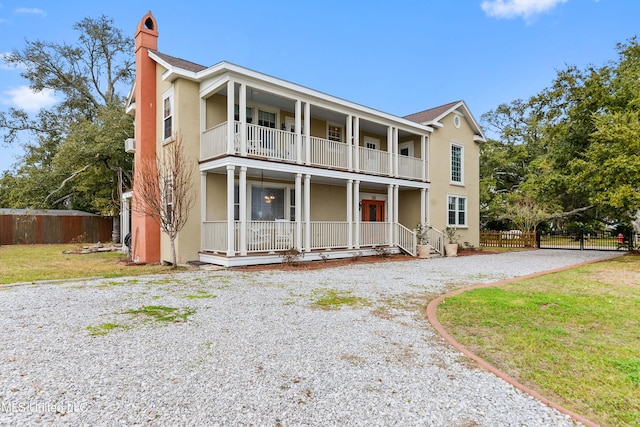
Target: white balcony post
column 396, row 157
column 230, row 116
column 307, row 213
column 349, row 141
column 203, row 124
column 390, row 148
column 356, row 212
column 243, row 119
column 423, row 206
column 423, row 153
column 396, row 199
column 356, row 142
column 350, row 214
column 298, row 204
column 203, row 207
column 307, row 133
column 230, row 221
column 390, row 211
column 298, row 124
column 242, row 201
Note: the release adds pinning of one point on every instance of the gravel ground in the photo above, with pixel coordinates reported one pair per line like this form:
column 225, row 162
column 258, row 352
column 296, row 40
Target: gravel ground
column 256, row 351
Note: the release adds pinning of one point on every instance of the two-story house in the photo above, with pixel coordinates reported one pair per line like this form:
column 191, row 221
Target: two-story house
column 283, row 166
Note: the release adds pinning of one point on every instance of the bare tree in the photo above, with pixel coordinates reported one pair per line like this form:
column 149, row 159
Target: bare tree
column 166, row 192
column 526, row 213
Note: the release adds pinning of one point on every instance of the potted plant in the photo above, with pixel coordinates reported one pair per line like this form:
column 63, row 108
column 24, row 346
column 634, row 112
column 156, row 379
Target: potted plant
column 451, row 247
column 423, row 247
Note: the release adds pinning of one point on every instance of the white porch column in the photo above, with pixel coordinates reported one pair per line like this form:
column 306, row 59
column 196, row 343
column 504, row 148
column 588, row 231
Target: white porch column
column 230, row 220
column 298, row 211
column 203, row 207
column 356, row 212
column 242, row 105
column 242, row 201
column 390, row 149
column 423, row 153
column 349, row 141
column 307, row 133
column 298, row 124
column 396, row 201
column 350, row 214
column 231, row 86
column 390, row 211
column 307, row 213
column 396, row 157
column 423, row 206
column 356, row 143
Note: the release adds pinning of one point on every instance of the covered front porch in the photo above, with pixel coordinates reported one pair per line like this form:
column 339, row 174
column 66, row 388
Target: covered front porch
column 254, row 211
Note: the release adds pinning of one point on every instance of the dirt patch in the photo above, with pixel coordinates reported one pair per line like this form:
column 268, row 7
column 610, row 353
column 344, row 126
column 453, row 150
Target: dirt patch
column 625, row 278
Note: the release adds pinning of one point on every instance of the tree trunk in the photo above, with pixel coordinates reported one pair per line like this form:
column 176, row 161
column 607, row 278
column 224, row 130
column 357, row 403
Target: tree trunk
column 173, row 253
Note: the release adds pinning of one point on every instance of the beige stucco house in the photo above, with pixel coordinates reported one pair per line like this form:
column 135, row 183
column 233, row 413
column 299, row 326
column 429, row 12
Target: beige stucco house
column 283, row 166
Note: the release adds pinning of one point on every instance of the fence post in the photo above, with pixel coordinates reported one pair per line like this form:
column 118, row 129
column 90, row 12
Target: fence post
column 538, row 238
column 582, row 239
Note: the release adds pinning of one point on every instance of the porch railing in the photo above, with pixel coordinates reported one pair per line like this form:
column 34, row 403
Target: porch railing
column 373, row 161
column 329, row 234
column 436, row 240
column 406, row 239
column 214, row 236
column 275, row 236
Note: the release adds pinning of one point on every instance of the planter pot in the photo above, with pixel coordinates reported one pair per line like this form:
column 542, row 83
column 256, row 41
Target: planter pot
column 423, row 251
column 451, row 249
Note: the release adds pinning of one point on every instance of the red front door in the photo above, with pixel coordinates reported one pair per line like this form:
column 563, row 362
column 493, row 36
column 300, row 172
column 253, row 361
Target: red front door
column 373, row 210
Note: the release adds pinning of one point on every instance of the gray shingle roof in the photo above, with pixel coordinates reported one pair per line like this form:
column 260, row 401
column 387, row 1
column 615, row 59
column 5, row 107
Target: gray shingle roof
column 181, row 63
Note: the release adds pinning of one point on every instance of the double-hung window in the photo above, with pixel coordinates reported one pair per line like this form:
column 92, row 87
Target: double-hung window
column 457, row 211
column 334, row 133
column 266, row 119
column 167, row 117
column 457, row 175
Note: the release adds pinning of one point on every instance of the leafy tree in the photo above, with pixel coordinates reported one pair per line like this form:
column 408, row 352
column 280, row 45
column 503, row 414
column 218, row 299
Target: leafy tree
column 74, row 155
column 573, row 147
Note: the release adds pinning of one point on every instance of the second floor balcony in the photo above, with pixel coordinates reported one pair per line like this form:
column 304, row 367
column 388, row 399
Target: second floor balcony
column 281, row 145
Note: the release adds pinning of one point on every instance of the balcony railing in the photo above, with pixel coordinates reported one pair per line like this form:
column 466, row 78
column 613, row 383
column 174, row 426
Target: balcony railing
column 373, row 161
column 281, row 145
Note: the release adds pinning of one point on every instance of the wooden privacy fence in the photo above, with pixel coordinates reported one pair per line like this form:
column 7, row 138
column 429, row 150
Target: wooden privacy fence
column 508, row 239
column 19, row 226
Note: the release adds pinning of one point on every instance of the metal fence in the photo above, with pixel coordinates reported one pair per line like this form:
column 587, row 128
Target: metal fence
column 582, row 240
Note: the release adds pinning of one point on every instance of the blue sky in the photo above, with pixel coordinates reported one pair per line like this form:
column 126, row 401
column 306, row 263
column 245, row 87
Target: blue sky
column 396, row 56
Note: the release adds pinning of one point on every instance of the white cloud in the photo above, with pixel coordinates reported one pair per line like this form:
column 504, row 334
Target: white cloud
column 515, row 8
column 31, row 11
column 25, row 98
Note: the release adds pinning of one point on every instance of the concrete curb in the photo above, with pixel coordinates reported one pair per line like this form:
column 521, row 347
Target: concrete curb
column 433, row 319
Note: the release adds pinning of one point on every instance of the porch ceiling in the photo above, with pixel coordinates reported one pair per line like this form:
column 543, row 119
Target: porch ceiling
column 259, row 96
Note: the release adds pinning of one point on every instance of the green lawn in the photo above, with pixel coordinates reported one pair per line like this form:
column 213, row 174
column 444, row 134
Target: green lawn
column 28, row 263
column 573, row 336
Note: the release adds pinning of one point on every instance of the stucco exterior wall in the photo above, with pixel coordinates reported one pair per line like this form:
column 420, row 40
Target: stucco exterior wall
column 440, row 175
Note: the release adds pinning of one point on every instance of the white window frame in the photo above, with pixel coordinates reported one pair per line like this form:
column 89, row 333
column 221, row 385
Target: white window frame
column 168, row 196
column 288, row 202
column 168, row 95
column 457, row 211
column 461, row 147
column 335, row 125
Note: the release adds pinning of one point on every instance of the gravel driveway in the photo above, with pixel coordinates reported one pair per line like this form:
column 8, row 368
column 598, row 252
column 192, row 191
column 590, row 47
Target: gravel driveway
column 256, row 351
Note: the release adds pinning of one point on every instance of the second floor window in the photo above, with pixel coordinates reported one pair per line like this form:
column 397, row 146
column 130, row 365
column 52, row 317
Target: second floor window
column 168, row 117
column 334, row 133
column 456, row 164
column 266, row 119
